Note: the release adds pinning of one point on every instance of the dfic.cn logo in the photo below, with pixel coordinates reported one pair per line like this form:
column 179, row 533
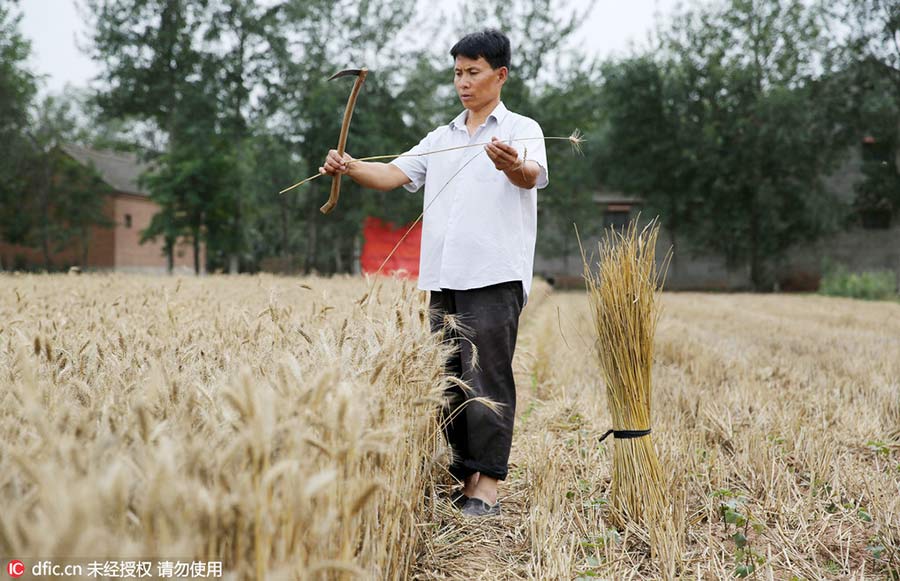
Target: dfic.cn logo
column 16, row 568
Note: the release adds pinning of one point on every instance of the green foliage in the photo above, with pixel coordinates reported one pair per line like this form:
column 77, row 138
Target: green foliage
column 879, row 447
column 54, row 201
column 732, row 508
column 877, row 286
column 17, row 89
column 186, row 178
column 721, row 133
column 153, row 74
column 724, row 128
column 879, row 191
column 876, row 550
column 562, row 108
column 150, row 57
column 276, row 234
column 78, row 196
column 871, row 62
column 17, row 83
column 71, row 197
column 652, row 140
column 314, row 107
column 246, row 84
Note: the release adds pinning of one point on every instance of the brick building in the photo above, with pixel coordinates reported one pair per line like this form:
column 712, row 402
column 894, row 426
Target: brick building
column 129, row 208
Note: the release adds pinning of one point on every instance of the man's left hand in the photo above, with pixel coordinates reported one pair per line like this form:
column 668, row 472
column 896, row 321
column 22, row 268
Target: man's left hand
column 504, row 156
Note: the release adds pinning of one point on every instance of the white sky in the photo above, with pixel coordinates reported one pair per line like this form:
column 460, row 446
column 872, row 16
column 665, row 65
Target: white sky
column 54, row 25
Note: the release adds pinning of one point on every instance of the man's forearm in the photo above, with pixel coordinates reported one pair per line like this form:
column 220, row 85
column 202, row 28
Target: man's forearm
column 378, row 176
column 524, row 176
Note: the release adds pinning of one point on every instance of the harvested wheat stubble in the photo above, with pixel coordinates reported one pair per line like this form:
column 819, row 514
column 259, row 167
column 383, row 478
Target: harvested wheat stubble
column 761, row 404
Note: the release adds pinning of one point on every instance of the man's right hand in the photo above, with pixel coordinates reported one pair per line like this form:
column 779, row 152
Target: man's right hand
column 368, row 174
column 335, row 165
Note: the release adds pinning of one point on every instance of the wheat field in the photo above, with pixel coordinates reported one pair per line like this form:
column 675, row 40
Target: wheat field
column 287, row 428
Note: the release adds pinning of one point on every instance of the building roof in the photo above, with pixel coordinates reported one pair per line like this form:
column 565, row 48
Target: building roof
column 607, row 197
column 119, row 170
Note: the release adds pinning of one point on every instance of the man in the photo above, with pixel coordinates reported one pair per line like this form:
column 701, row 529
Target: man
column 477, row 254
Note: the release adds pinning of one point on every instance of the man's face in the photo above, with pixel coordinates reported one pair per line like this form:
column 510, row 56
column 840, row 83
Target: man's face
column 477, row 84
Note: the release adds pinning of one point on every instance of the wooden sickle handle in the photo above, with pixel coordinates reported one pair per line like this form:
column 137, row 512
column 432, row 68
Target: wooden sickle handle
column 342, row 141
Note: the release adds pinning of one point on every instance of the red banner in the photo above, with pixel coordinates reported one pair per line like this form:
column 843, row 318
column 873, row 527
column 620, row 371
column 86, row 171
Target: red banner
column 380, row 238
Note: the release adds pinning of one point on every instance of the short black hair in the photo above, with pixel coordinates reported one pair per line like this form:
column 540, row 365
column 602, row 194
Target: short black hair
column 490, row 43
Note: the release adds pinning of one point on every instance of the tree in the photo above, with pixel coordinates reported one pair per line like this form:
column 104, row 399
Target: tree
column 277, row 233
column 570, row 103
column 190, row 177
column 152, row 74
column 78, row 196
column 237, row 95
column 17, row 83
column 17, row 90
column 47, row 200
column 870, row 59
column 312, row 109
column 70, row 198
column 734, row 99
column 242, row 38
column 56, row 201
column 874, row 34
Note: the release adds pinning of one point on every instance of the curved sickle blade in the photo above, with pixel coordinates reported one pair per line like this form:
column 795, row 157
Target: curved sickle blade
column 345, row 127
column 345, row 73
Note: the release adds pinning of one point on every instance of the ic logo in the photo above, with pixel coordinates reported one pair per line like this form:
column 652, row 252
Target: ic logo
column 16, row 568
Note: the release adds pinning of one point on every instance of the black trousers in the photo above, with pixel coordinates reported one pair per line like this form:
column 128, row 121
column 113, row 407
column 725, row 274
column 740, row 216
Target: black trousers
column 487, row 318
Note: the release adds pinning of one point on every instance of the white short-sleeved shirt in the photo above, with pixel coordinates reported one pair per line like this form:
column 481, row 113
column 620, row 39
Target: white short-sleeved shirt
column 478, row 229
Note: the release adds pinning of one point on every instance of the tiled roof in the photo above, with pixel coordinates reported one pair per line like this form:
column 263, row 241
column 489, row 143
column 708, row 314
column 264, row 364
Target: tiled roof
column 119, row 170
column 607, row 197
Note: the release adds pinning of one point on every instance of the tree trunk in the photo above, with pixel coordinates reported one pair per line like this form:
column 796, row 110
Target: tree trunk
column 756, row 259
column 45, row 214
column 336, row 250
column 85, row 245
column 172, row 78
column 169, row 247
column 287, row 262
column 756, row 274
column 672, row 267
column 237, row 241
column 196, row 242
column 673, row 227
column 311, row 234
column 45, row 244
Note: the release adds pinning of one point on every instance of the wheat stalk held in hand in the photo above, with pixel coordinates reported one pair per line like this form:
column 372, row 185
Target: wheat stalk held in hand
column 575, row 139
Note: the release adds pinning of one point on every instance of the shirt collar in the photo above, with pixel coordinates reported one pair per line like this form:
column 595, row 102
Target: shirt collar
column 498, row 114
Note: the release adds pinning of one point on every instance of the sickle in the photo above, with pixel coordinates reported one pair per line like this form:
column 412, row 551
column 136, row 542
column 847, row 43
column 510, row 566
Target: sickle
column 345, row 127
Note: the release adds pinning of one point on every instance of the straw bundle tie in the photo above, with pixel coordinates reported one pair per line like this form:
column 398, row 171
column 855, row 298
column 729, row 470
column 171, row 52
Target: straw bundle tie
column 625, row 434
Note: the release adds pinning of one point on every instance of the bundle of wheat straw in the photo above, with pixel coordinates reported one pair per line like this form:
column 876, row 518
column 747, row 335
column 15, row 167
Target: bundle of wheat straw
column 624, row 293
